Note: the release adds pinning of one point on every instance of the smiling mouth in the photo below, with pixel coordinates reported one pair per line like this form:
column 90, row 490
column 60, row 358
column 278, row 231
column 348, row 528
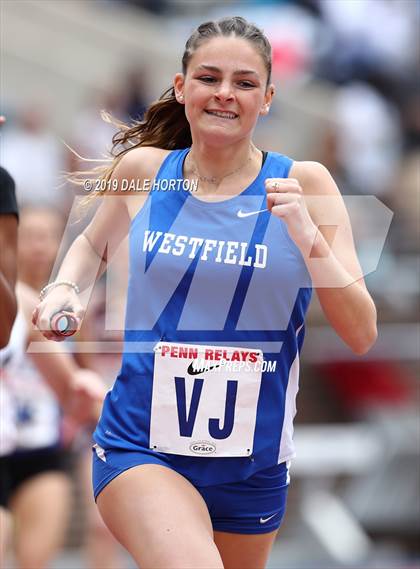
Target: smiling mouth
column 223, row 114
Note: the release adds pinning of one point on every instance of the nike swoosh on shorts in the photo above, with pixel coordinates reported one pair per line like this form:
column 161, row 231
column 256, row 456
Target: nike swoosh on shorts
column 265, row 520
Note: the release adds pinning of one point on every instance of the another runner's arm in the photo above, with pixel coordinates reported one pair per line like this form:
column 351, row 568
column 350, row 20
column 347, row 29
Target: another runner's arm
column 348, row 307
column 57, row 367
column 8, row 306
column 8, row 244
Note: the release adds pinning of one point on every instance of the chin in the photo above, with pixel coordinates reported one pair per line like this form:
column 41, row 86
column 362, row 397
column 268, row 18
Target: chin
column 219, row 136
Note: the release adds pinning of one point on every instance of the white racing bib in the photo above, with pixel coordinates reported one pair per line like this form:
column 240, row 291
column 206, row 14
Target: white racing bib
column 204, row 400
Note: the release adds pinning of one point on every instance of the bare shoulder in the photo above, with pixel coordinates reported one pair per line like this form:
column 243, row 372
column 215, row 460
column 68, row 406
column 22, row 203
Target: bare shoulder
column 141, row 163
column 314, row 178
column 137, row 166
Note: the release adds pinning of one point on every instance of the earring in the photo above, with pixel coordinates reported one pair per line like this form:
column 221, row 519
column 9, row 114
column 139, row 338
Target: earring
column 180, row 98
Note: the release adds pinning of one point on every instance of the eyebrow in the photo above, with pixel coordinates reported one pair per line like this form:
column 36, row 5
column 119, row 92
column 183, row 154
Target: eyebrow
column 237, row 72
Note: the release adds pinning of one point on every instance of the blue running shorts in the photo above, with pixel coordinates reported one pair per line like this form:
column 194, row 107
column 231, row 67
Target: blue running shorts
column 252, row 506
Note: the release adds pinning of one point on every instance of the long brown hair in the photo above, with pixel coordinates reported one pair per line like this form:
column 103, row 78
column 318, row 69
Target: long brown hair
column 164, row 124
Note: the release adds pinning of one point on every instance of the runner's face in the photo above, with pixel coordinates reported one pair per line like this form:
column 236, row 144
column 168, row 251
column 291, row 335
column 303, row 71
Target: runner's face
column 227, row 76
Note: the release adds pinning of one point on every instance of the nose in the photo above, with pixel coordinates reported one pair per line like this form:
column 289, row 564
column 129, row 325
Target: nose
column 224, row 91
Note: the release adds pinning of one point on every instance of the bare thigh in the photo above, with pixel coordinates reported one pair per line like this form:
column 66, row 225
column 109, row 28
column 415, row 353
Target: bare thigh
column 40, row 508
column 240, row 551
column 160, row 518
column 5, row 534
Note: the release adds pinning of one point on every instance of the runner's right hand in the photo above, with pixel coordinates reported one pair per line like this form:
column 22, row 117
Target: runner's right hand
column 60, row 299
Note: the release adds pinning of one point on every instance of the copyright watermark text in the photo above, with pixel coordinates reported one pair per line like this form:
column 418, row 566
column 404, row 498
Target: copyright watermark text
column 140, row 185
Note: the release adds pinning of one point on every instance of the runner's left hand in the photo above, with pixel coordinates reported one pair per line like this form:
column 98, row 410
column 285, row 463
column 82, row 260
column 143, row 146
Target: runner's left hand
column 285, row 200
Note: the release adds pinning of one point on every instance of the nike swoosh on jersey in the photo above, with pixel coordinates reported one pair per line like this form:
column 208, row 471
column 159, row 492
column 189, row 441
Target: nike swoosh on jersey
column 265, row 520
column 192, row 371
column 241, row 213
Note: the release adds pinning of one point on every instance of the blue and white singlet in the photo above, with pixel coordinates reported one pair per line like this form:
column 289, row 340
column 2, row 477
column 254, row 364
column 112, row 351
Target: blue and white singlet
column 226, row 279
column 29, row 410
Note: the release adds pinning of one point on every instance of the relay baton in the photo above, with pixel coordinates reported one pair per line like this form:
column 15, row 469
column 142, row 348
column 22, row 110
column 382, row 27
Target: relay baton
column 64, row 323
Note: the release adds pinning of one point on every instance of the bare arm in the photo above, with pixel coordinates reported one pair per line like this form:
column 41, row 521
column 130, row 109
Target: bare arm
column 328, row 251
column 8, row 306
column 88, row 256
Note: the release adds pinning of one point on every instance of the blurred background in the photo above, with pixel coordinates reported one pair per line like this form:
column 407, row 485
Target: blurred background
column 348, row 95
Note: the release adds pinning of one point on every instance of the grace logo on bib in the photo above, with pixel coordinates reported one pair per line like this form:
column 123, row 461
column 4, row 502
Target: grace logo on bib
column 211, row 412
column 203, row 448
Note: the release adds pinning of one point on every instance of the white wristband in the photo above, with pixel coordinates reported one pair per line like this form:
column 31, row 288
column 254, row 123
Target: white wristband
column 50, row 286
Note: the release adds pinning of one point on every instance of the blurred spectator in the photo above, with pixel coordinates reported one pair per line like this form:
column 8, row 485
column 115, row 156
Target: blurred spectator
column 36, row 159
column 92, row 136
column 410, row 107
column 362, row 30
column 406, row 201
column 368, row 138
column 294, row 36
column 135, row 92
column 157, row 7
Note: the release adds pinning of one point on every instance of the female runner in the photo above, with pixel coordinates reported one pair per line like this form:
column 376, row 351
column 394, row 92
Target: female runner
column 193, row 445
